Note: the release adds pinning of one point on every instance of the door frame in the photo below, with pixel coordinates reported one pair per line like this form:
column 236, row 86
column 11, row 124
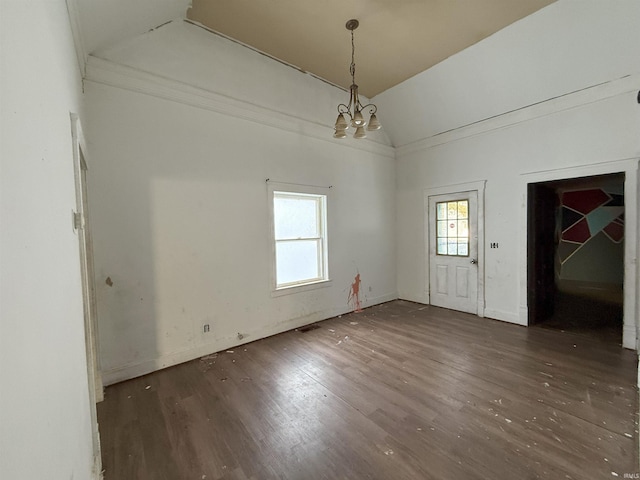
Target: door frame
column 82, row 229
column 631, row 171
column 479, row 187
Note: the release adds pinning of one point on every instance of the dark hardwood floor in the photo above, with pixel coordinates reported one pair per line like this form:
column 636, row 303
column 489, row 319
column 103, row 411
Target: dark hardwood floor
column 600, row 319
column 398, row 391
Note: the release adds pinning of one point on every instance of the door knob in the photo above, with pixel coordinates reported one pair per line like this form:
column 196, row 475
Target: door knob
column 474, row 261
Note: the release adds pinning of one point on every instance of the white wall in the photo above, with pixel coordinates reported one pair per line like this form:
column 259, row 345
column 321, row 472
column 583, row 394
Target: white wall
column 179, row 203
column 44, row 398
column 565, row 47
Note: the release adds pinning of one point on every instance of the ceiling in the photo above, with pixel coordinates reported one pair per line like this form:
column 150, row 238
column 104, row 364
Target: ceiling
column 395, row 40
column 106, row 23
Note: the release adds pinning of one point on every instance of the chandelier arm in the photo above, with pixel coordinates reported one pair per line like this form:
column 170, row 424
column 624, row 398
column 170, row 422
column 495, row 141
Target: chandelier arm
column 373, row 110
column 344, row 109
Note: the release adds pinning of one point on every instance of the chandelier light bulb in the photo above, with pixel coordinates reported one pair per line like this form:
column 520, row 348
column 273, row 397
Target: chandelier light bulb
column 358, row 119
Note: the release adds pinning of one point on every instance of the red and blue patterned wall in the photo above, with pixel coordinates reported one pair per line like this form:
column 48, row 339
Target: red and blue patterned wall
column 592, row 234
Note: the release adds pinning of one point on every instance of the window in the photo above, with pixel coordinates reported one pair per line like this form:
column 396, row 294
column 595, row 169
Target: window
column 300, row 234
column 452, row 228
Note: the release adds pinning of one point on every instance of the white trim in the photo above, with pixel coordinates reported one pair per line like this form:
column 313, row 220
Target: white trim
column 478, row 187
column 105, row 72
column 80, row 164
column 94, row 378
column 503, row 316
column 293, row 188
column 78, row 39
column 144, row 367
column 413, row 297
column 97, row 472
column 592, row 94
column 631, row 283
column 305, row 287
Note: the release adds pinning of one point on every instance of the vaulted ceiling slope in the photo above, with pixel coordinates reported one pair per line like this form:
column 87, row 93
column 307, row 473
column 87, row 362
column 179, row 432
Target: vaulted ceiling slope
column 106, row 22
column 181, row 60
column 548, row 60
column 395, row 40
column 565, row 47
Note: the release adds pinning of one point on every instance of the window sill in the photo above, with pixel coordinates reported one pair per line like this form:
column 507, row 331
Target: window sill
column 305, row 287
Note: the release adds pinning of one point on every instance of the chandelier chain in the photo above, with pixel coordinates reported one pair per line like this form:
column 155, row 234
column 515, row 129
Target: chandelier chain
column 352, row 67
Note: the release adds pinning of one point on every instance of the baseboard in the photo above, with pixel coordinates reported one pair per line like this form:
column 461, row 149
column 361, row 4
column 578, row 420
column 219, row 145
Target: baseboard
column 629, row 336
column 133, row 370
column 523, row 318
column 415, row 297
column 98, row 472
column 503, row 316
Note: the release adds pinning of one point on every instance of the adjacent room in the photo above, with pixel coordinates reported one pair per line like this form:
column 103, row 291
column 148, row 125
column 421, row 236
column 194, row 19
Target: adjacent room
column 253, row 240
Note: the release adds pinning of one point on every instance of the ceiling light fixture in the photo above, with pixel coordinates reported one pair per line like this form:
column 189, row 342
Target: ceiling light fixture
column 355, row 108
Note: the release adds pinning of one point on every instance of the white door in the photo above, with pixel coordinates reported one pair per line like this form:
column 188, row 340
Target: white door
column 453, row 251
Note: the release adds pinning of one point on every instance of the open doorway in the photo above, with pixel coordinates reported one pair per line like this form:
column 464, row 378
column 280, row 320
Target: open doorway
column 575, row 255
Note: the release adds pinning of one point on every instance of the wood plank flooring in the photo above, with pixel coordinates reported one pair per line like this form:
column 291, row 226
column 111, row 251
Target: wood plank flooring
column 398, row 391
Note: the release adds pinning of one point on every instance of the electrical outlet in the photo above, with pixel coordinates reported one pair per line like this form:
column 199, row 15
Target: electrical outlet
column 206, row 328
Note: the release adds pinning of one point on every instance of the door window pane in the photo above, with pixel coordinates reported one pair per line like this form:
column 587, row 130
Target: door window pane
column 452, row 228
column 452, row 210
column 442, row 246
column 442, row 229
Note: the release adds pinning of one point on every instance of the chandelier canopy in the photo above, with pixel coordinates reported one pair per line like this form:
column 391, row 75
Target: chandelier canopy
column 354, row 109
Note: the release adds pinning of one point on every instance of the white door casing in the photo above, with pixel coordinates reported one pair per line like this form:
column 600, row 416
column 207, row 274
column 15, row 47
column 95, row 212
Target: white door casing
column 631, row 169
column 81, row 226
column 455, row 282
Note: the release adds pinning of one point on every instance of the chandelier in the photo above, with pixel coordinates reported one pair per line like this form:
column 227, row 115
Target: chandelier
column 355, row 108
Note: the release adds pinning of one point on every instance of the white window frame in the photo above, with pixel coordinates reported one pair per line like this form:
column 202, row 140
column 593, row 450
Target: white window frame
column 302, row 191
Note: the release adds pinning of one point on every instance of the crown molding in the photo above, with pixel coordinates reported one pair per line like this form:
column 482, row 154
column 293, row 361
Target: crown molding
column 568, row 101
column 106, row 72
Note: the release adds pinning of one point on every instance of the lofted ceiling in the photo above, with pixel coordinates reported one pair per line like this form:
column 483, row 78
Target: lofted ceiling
column 395, row 40
column 103, row 23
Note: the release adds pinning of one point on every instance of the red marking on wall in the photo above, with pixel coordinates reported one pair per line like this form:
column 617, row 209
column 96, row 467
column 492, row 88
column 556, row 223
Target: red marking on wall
column 585, row 201
column 354, row 294
column 579, row 232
